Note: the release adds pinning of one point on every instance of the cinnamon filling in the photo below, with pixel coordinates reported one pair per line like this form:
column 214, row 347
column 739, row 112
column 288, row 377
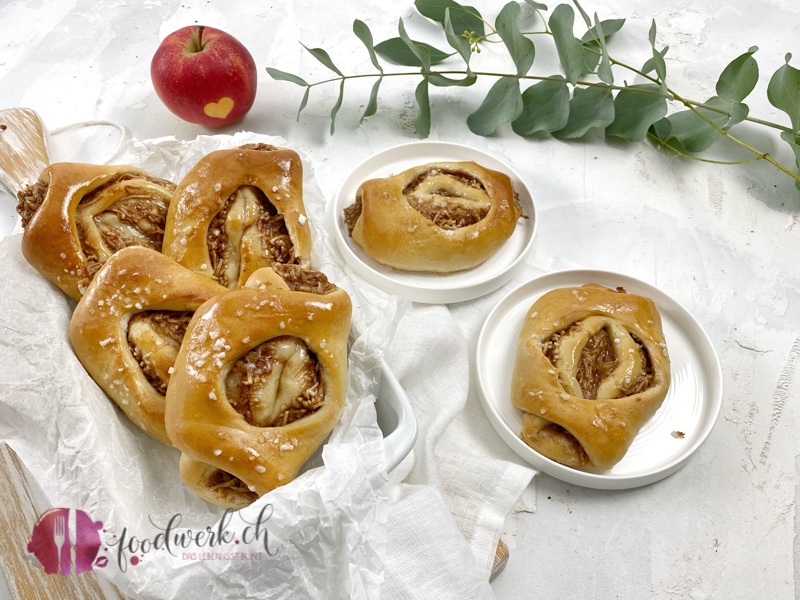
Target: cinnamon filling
column 221, row 481
column 247, row 218
column 154, row 338
column 303, row 280
column 640, row 384
column 136, row 220
column 276, row 383
column 563, row 437
column 259, row 146
column 128, row 210
column 598, row 360
column 352, row 213
column 450, row 199
column 30, row 199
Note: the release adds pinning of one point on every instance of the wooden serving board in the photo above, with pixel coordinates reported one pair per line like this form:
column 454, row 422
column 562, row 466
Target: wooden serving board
column 23, row 148
column 21, row 504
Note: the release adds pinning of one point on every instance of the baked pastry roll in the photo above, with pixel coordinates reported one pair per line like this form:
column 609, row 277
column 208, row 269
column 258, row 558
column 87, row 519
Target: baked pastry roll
column 77, row 215
column 239, row 210
column 127, row 328
column 591, row 368
column 438, row 217
column 259, row 383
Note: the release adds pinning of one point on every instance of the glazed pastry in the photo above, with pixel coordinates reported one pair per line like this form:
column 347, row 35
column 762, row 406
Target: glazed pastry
column 591, row 369
column 259, row 383
column 127, row 329
column 239, row 210
column 438, row 217
column 77, row 215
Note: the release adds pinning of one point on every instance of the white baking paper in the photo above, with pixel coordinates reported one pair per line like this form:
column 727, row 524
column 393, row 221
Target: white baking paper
column 321, row 536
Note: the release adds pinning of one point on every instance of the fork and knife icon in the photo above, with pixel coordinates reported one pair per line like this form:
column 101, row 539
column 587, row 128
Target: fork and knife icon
column 65, row 532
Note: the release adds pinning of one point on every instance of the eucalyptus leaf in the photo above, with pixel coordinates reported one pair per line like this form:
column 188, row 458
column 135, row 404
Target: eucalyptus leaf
column 591, row 56
column 422, row 124
column 609, row 27
column 458, row 42
column 739, row 78
column 323, row 57
column 536, row 5
column 502, row 104
column 583, row 13
column 363, row 33
column 303, row 102
column 284, row 76
column 658, row 64
column 520, row 48
column 569, row 48
column 783, row 92
column 337, row 106
column 661, row 131
column 418, row 50
column 697, row 134
column 694, row 134
column 589, row 108
column 464, row 18
column 545, row 107
column 791, row 138
column 279, row 75
column 739, row 112
column 372, row 105
column 440, row 80
column 650, row 63
column 636, row 109
column 604, row 69
column 397, row 51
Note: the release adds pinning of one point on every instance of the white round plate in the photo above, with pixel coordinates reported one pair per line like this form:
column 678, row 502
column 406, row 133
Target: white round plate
column 428, row 287
column 666, row 441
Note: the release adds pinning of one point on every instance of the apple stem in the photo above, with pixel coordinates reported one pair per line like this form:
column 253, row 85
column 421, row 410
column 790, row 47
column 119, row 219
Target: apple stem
column 197, row 40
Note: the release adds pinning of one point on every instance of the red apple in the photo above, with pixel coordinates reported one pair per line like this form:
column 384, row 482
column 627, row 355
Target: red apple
column 204, row 75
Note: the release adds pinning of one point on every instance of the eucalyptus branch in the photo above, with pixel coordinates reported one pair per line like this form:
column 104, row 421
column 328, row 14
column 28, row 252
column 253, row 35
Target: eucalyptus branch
column 697, row 104
column 569, row 105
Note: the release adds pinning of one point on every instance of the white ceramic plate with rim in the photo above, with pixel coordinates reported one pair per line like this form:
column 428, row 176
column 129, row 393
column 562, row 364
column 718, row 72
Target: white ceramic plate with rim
column 430, row 287
column 666, row 441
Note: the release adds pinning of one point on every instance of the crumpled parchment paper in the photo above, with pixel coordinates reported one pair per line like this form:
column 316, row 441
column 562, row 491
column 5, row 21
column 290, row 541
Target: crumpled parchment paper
column 321, row 536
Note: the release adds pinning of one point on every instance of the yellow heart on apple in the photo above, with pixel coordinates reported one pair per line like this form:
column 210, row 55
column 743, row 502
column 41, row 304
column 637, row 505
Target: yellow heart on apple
column 219, row 109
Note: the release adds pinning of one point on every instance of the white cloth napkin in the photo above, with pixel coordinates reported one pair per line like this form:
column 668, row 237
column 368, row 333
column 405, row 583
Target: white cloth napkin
column 450, row 498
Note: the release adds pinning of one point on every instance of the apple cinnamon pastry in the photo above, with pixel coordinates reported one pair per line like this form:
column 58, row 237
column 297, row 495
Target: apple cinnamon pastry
column 77, row 215
column 239, row 210
column 259, row 383
column 591, row 368
column 127, row 328
column 438, row 217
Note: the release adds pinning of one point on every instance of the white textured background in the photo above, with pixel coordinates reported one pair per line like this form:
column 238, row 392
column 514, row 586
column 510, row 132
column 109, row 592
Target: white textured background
column 722, row 240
